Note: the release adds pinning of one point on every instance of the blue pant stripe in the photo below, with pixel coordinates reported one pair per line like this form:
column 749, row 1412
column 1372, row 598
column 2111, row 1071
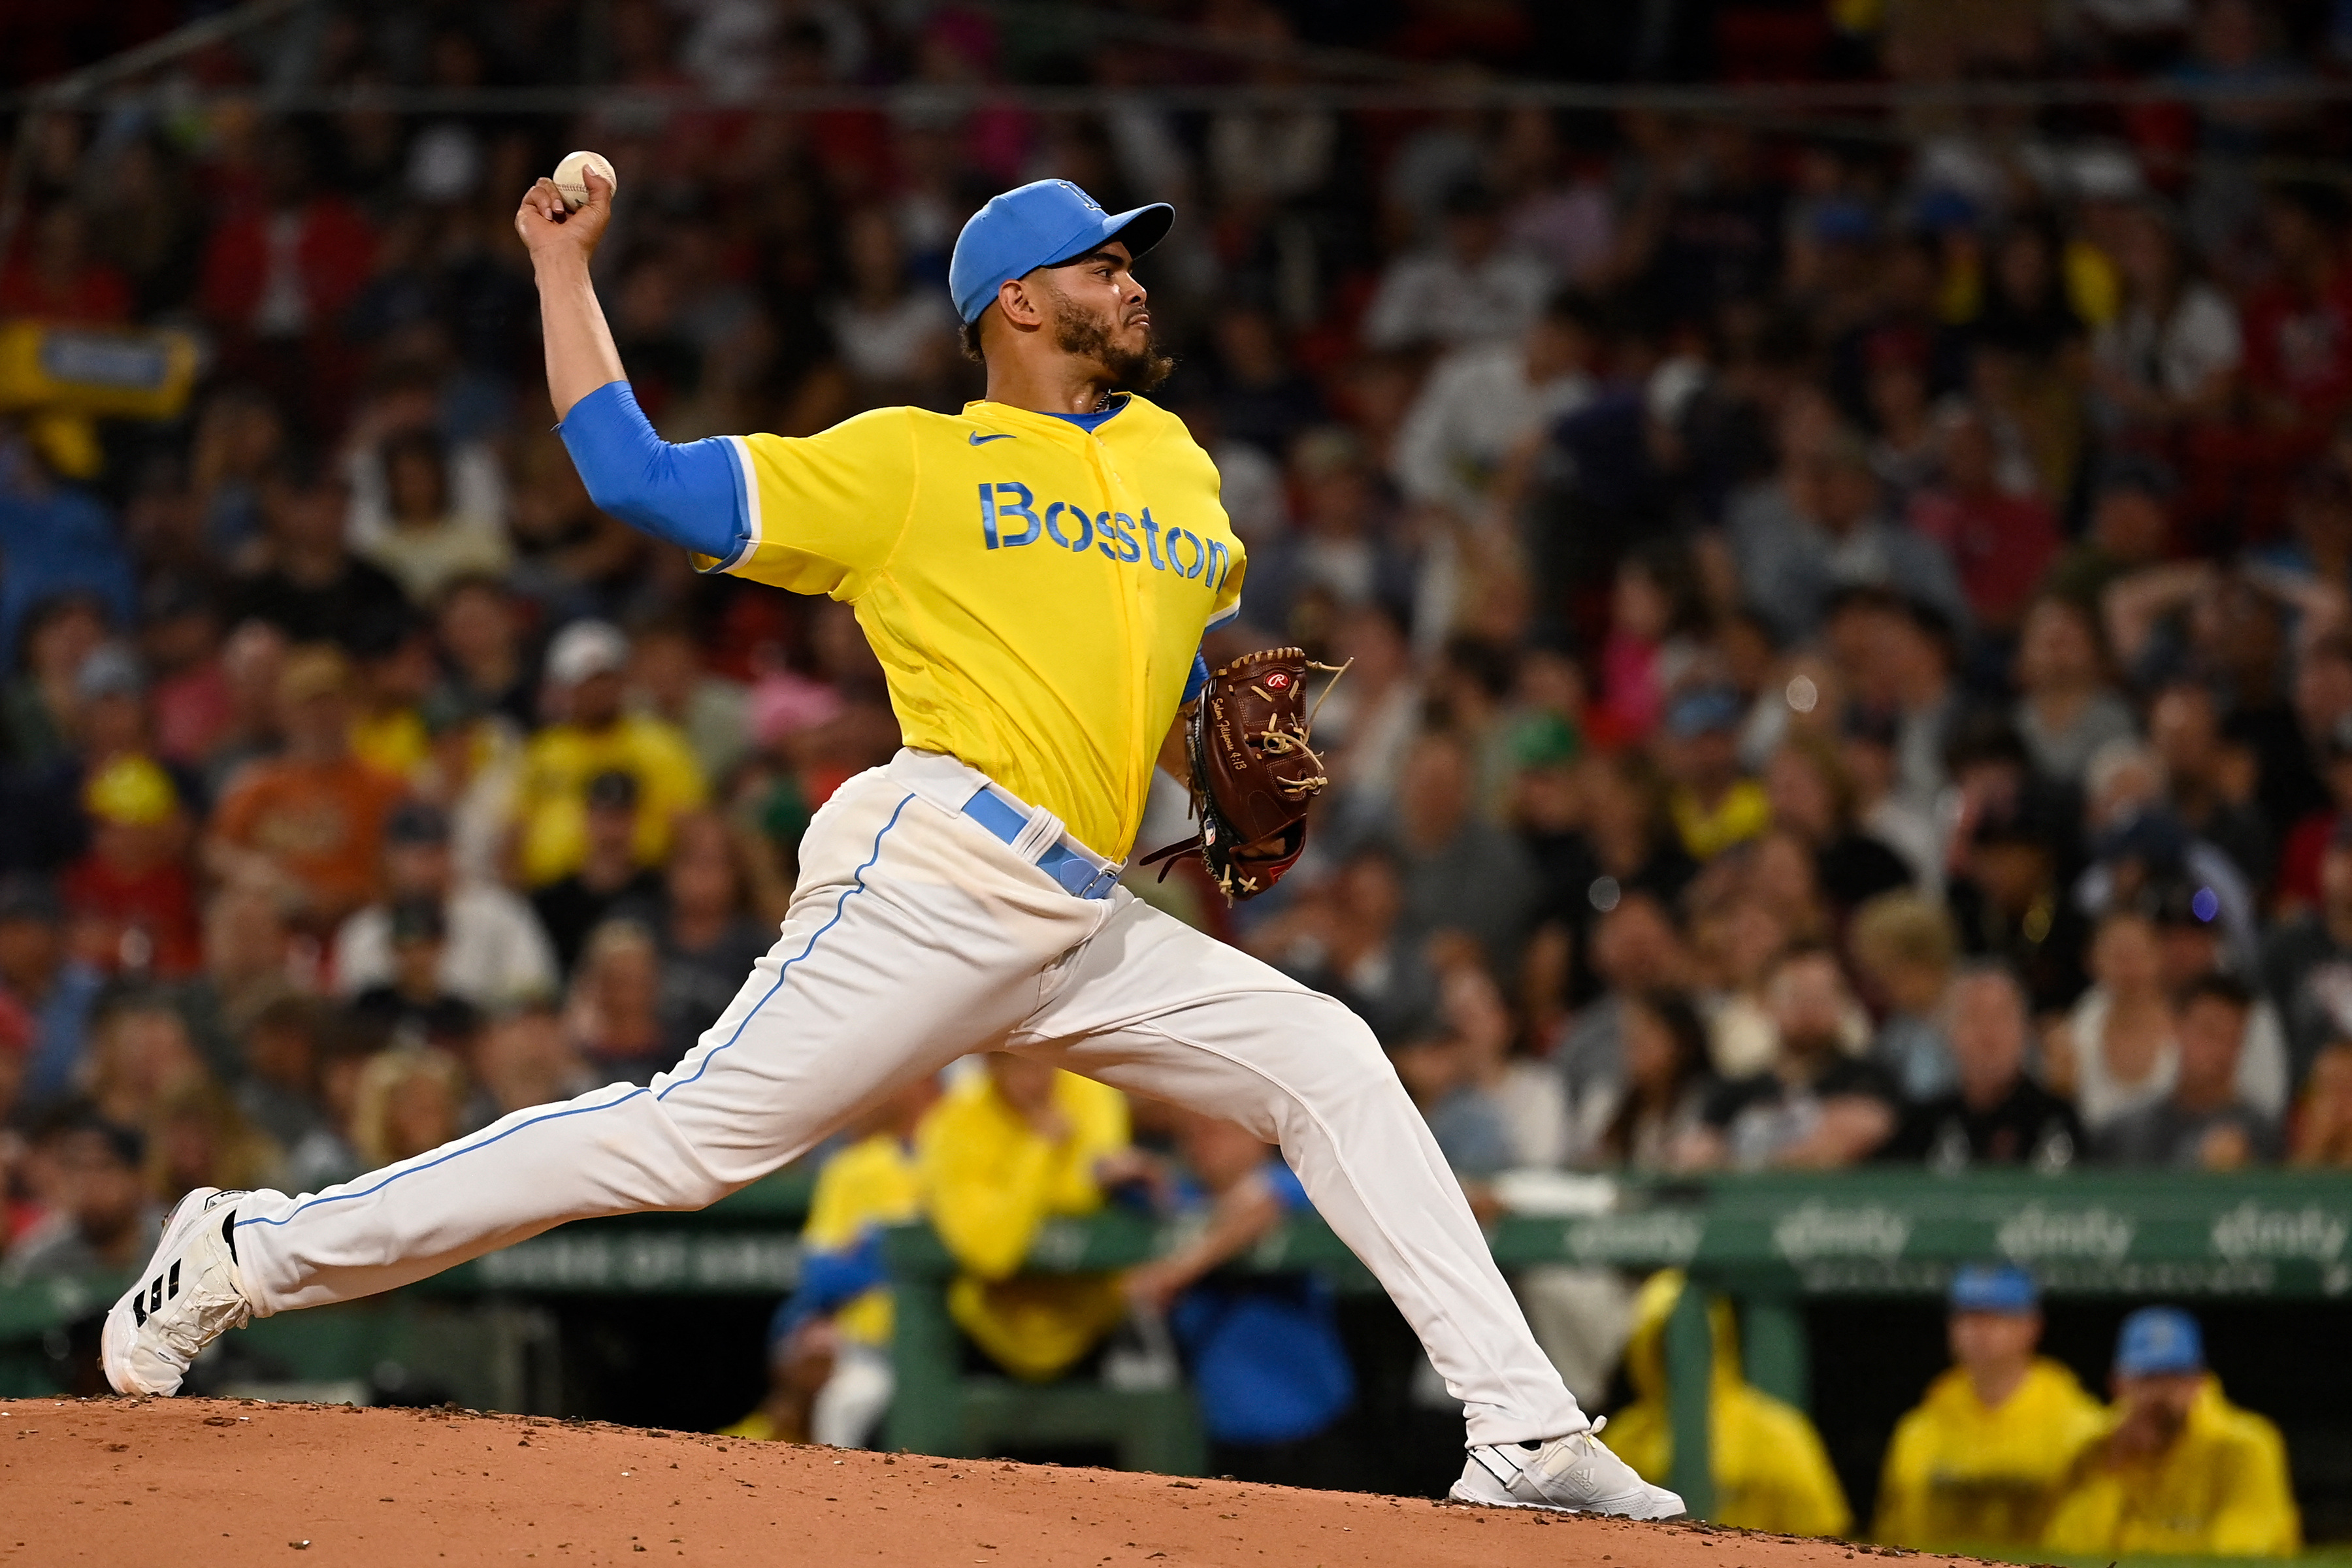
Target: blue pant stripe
column 857, row 884
column 467, row 1149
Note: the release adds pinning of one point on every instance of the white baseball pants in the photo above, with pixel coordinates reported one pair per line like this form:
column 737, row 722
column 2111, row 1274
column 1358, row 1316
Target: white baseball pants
column 916, row 936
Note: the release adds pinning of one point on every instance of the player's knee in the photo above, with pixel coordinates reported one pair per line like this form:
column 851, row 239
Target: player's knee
column 1337, row 1028
column 1342, row 1060
column 701, row 1190
column 1350, row 1040
column 687, row 1178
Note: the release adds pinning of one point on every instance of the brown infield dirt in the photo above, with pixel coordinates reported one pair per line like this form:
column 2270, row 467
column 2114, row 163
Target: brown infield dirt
column 134, row 1483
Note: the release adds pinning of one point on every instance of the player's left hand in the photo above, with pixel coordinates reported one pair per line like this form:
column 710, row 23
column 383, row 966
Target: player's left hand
column 1252, row 771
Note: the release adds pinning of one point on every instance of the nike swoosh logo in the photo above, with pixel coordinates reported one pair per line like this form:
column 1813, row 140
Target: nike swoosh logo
column 977, row 439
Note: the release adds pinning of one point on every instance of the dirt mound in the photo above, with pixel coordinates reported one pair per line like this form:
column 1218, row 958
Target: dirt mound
column 129, row 1483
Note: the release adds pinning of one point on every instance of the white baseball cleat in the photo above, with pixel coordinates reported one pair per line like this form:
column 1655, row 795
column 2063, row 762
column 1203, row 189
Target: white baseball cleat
column 189, row 1295
column 1576, row 1474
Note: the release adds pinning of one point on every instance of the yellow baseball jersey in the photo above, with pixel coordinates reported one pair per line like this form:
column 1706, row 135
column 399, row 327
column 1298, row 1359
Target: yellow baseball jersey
column 873, row 1182
column 1034, row 591
column 1959, row 1473
column 563, row 760
column 2221, row 1490
column 991, row 1182
column 1770, row 1470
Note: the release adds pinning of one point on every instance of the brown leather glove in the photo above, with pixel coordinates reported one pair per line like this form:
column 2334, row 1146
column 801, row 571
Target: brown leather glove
column 1254, row 773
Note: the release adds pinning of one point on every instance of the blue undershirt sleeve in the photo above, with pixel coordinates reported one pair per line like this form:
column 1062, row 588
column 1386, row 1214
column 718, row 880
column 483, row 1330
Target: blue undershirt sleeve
column 830, row 1281
column 1199, row 678
column 690, row 495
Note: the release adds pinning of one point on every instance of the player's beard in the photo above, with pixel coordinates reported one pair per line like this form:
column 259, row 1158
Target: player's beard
column 1130, row 370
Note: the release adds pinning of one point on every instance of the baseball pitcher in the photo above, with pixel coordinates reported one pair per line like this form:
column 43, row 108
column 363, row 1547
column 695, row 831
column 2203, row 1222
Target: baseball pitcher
column 1035, row 574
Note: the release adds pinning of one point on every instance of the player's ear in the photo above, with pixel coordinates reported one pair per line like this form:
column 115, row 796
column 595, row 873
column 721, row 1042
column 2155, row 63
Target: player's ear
column 1022, row 305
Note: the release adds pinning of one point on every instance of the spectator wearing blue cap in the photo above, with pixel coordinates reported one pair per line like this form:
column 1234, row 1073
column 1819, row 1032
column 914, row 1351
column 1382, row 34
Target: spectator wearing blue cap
column 1984, row 1459
column 1713, row 804
column 2181, row 1469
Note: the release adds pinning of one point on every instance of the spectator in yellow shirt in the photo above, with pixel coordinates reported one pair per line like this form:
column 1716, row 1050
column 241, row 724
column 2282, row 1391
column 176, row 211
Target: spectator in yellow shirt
column 2181, row 1469
column 1771, row 1472
column 1009, row 1148
column 829, row 1377
column 597, row 736
column 1981, row 1461
column 1715, row 805
column 396, row 670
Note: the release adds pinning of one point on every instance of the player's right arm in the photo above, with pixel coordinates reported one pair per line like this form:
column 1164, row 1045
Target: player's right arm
column 815, row 515
column 581, row 356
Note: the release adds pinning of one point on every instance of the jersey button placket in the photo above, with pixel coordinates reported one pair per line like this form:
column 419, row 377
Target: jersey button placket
column 1132, row 614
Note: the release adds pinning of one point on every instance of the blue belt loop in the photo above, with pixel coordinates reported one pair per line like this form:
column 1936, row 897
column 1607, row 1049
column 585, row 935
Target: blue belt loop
column 1075, row 874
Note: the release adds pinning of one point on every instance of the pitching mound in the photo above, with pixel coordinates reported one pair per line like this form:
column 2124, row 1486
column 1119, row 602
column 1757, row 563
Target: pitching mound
column 129, row 1483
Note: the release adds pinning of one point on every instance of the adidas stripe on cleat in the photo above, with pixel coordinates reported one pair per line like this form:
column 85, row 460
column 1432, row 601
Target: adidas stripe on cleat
column 189, row 1295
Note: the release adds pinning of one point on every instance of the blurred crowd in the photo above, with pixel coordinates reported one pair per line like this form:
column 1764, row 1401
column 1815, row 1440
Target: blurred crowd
column 1849, row 634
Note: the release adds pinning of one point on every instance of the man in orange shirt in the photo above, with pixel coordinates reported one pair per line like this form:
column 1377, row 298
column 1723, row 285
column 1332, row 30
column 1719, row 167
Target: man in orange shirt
column 309, row 823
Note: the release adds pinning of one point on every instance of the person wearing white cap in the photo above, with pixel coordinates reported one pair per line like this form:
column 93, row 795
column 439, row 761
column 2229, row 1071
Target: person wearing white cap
column 585, row 651
column 597, row 734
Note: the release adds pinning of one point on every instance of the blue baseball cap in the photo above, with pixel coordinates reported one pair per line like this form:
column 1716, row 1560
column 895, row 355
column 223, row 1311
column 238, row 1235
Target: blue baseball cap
column 2157, row 1341
column 1841, row 220
column 1038, row 224
column 1702, row 710
column 2001, row 1288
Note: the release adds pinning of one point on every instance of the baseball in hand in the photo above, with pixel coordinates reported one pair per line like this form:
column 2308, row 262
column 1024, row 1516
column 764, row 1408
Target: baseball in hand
column 572, row 179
